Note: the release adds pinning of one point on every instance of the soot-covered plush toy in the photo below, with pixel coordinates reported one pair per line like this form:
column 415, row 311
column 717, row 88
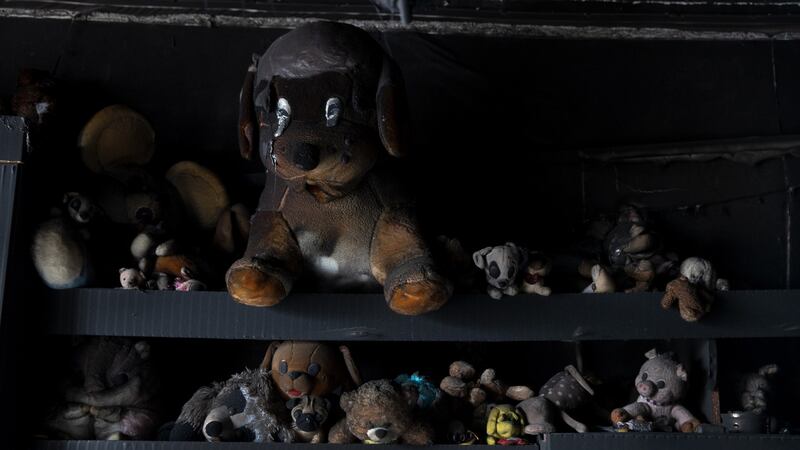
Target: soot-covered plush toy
column 320, row 109
column 309, row 415
column 694, row 289
column 60, row 248
column 301, row 368
column 378, row 413
column 504, row 266
column 661, row 383
column 246, row 407
column 112, row 394
column 757, row 389
column 564, row 392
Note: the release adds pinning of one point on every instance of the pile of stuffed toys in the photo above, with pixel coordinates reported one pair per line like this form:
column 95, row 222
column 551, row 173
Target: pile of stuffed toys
column 332, row 215
column 312, row 392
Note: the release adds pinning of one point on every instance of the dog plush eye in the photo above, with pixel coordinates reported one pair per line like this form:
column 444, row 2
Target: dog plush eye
column 661, row 384
column 333, row 109
column 494, row 270
column 512, row 271
column 644, row 376
column 313, row 369
column 284, row 114
column 283, row 367
column 75, row 204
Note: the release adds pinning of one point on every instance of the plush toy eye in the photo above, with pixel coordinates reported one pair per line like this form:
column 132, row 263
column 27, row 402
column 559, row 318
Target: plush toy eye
column 333, row 109
column 313, row 369
column 283, row 367
column 512, row 271
column 75, row 204
column 494, row 270
column 644, row 376
column 296, row 413
column 661, row 384
column 284, row 114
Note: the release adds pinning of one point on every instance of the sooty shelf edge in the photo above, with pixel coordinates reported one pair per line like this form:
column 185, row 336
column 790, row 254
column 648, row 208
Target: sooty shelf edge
column 350, row 317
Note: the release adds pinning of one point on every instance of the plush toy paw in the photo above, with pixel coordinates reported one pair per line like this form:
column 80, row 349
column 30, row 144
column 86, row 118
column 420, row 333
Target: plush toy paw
column 418, row 297
column 690, row 426
column 252, row 283
column 620, row 415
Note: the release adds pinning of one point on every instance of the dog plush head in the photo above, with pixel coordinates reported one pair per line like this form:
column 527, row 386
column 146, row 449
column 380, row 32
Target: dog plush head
column 301, row 368
column 310, row 412
column 502, row 264
column 319, row 107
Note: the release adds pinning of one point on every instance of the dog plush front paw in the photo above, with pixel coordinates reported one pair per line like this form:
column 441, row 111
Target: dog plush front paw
column 252, row 283
column 412, row 298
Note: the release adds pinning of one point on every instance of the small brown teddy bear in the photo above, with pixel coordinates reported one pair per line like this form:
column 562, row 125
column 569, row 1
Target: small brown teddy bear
column 661, row 383
column 378, row 413
column 693, row 290
column 539, row 267
column 301, row 368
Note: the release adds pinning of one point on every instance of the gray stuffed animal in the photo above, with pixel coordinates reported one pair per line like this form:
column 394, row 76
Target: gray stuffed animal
column 246, row 407
column 504, row 266
column 661, row 383
column 756, row 389
column 564, row 392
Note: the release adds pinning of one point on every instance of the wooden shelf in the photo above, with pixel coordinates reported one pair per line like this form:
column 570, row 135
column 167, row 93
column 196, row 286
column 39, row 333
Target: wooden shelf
column 350, row 317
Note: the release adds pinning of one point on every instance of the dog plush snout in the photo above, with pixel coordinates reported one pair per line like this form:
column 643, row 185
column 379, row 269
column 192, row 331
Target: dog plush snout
column 305, row 156
column 307, row 422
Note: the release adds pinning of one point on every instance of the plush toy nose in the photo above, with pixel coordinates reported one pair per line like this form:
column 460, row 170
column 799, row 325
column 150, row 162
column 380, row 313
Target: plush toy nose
column 502, row 284
column 646, row 388
column 305, row 156
column 214, row 429
column 307, row 422
column 295, row 374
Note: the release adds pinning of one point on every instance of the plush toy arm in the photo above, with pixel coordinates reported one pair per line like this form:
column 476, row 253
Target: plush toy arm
column 625, row 413
column 402, row 263
column 271, row 263
column 352, row 369
column 684, row 420
column 340, row 434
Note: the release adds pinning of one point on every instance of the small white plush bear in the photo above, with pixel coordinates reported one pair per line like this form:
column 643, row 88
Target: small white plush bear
column 504, row 266
column 132, row 278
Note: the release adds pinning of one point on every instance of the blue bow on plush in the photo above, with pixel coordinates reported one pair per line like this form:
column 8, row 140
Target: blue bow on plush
column 427, row 392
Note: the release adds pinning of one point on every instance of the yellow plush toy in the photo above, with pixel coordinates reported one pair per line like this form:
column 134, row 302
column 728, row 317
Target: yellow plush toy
column 504, row 426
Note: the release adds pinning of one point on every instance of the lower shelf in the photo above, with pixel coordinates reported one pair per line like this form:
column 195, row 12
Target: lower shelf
column 557, row 441
column 669, row 441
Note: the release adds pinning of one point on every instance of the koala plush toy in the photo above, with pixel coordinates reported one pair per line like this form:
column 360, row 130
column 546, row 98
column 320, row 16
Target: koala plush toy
column 504, row 266
column 323, row 109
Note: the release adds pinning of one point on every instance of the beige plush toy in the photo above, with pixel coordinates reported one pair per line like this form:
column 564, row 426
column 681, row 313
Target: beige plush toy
column 693, row 289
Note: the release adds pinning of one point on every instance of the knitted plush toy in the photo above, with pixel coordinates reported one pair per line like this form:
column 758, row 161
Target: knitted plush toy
column 661, row 383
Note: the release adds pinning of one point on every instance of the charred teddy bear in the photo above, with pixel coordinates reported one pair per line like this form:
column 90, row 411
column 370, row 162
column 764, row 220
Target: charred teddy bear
column 503, row 264
column 694, row 289
column 378, row 413
column 116, row 395
column 320, row 108
column 661, row 383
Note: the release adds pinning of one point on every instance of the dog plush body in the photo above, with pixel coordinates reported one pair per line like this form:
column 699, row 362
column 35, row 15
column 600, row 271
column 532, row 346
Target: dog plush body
column 661, row 383
column 320, row 108
column 504, row 266
column 378, row 413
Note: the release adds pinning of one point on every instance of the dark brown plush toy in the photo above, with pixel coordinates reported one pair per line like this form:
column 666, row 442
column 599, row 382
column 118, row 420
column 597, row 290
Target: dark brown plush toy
column 301, row 368
column 378, row 413
column 321, row 108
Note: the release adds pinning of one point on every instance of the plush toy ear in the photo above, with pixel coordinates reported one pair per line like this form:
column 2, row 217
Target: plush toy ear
column 351, row 365
column 266, row 363
column 651, row 354
column 122, row 269
column 69, row 196
column 681, row 372
column 248, row 125
column 326, row 403
column 479, row 257
column 346, row 401
column 392, row 110
column 292, row 402
column 769, row 369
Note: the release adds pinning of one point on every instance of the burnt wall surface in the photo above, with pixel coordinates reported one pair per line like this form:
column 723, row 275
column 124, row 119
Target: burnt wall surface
column 498, row 123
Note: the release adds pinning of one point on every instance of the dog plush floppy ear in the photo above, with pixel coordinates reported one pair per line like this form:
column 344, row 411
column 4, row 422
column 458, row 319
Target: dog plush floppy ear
column 266, row 363
column 392, row 110
column 480, row 257
column 248, row 124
